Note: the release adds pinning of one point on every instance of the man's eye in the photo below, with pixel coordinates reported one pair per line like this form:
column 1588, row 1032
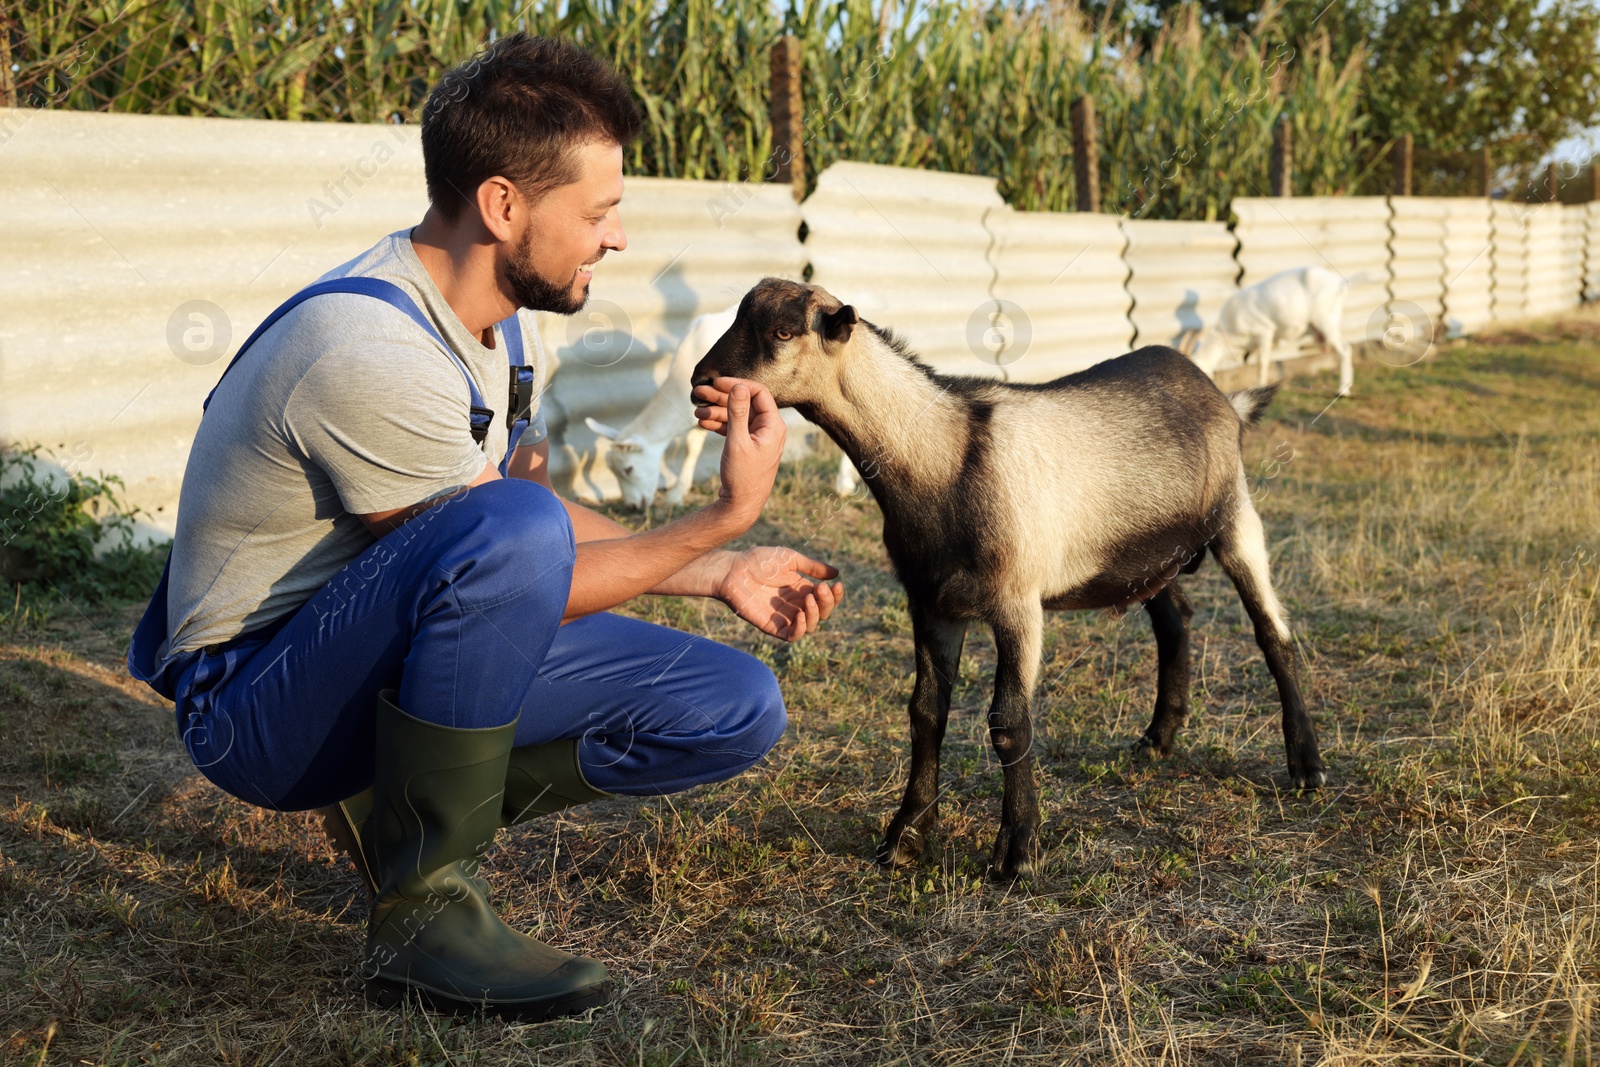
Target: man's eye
column 783, row 335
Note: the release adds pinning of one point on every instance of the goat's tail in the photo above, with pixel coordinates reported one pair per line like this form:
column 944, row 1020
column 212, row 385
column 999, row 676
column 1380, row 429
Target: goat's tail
column 1250, row 403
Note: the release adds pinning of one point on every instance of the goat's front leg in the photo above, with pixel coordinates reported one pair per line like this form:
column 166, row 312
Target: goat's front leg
column 939, row 644
column 1264, row 343
column 1018, row 642
column 693, row 442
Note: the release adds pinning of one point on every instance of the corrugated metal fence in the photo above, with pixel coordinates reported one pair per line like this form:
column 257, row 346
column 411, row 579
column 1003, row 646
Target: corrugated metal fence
column 137, row 253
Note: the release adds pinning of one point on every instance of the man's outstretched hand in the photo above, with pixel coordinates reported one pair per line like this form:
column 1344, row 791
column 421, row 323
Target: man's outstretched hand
column 779, row 591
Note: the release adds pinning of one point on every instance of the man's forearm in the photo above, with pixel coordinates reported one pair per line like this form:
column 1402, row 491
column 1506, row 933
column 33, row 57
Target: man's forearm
column 677, row 558
column 698, row 577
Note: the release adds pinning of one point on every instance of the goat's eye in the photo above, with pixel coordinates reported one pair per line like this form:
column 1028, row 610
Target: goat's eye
column 783, row 335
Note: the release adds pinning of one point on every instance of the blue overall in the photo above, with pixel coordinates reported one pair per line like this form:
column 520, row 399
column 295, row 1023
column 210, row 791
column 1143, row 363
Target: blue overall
column 459, row 609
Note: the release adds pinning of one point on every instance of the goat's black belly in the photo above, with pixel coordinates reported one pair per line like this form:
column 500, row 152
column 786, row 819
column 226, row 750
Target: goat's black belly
column 1139, row 570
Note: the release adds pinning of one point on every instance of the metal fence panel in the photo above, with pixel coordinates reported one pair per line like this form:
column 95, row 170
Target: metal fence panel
column 1346, row 234
column 1059, row 276
column 1468, row 265
column 139, row 252
column 910, row 251
column 1180, row 275
column 1548, row 274
column 1416, row 244
column 1510, row 250
column 1591, row 254
column 1574, row 226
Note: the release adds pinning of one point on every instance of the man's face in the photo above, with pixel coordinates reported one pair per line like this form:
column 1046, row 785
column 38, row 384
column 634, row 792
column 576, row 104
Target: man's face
column 568, row 231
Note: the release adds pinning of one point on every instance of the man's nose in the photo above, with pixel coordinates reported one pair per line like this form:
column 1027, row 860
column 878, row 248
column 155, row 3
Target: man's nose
column 616, row 237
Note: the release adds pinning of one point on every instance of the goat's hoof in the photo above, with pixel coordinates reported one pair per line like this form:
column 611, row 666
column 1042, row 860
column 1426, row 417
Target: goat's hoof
column 901, row 846
column 1309, row 775
column 1145, row 748
column 1015, row 848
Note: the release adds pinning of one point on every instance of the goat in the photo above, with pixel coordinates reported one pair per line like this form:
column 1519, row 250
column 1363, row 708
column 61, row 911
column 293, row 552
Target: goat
column 1281, row 308
column 1003, row 500
column 638, row 449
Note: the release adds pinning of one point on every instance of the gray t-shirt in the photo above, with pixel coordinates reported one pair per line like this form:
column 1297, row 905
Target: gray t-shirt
column 345, row 407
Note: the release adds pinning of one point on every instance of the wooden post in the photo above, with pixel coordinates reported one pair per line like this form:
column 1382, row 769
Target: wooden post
column 786, row 107
column 1552, row 182
column 1485, row 172
column 1086, row 154
column 1401, row 155
column 1281, row 169
column 1594, row 179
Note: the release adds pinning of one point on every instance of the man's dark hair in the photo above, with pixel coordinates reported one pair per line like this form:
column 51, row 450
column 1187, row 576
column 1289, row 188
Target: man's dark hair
column 520, row 109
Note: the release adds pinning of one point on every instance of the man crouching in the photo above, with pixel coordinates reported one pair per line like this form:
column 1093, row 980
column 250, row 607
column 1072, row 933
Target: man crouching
column 376, row 605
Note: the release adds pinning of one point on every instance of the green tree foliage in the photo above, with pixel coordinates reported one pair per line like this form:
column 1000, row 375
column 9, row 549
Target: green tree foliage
column 1514, row 76
column 1511, row 75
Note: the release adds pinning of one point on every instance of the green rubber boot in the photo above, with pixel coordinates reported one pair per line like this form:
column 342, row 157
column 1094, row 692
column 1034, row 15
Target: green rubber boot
column 436, row 805
column 540, row 780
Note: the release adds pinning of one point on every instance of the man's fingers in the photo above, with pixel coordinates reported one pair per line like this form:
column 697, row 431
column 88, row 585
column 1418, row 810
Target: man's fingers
column 827, row 598
column 739, row 413
column 711, row 408
column 712, row 418
column 814, row 567
column 761, row 399
column 782, row 626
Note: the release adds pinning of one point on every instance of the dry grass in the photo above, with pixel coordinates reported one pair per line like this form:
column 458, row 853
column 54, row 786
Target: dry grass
column 1436, row 540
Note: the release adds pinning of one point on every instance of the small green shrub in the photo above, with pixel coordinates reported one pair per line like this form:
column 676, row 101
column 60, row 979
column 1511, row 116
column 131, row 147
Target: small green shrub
column 70, row 538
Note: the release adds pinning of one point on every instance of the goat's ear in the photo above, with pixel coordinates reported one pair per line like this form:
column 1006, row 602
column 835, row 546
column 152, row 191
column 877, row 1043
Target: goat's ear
column 601, row 429
column 836, row 325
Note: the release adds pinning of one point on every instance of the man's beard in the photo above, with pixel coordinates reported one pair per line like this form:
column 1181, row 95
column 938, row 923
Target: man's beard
column 533, row 290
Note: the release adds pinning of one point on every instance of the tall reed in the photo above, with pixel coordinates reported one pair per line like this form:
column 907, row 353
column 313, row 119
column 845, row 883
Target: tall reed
column 958, row 85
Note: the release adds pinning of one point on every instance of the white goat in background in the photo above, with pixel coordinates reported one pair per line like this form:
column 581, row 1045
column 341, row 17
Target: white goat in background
column 638, row 450
column 1281, row 308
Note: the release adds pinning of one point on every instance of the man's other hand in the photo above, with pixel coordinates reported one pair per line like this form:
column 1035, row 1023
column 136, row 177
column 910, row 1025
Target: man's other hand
column 779, row 591
column 747, row 416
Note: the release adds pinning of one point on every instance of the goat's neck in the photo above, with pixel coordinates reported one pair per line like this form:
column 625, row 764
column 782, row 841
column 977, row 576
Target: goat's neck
column 898, row 426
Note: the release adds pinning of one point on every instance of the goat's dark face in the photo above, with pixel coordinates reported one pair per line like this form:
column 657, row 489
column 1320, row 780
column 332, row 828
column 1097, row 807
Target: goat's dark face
column 788, row 336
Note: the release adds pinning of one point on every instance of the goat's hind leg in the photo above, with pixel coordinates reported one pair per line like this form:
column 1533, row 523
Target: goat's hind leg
column 1169, row 613
column 1241, row 549
column 1018, row 642
column 939, row 644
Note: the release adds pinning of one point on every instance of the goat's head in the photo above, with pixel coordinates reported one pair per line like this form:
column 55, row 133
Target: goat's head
column 1208, row 347
column 635, row 461
column 788, row 336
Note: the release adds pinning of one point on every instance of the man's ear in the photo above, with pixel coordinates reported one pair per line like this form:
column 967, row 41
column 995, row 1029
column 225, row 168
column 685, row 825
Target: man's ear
column 498, row 198
column 836, row 325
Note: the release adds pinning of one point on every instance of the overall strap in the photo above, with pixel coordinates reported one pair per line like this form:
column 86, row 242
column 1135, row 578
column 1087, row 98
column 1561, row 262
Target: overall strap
column 395, row 297
column 145, row 661
column 519, row 401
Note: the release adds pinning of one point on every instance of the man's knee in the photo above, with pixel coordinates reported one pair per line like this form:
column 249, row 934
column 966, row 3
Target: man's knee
column 757, row 717
column 516, row 510
column 509, row 517
column 732, row 720
column 767, row 719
